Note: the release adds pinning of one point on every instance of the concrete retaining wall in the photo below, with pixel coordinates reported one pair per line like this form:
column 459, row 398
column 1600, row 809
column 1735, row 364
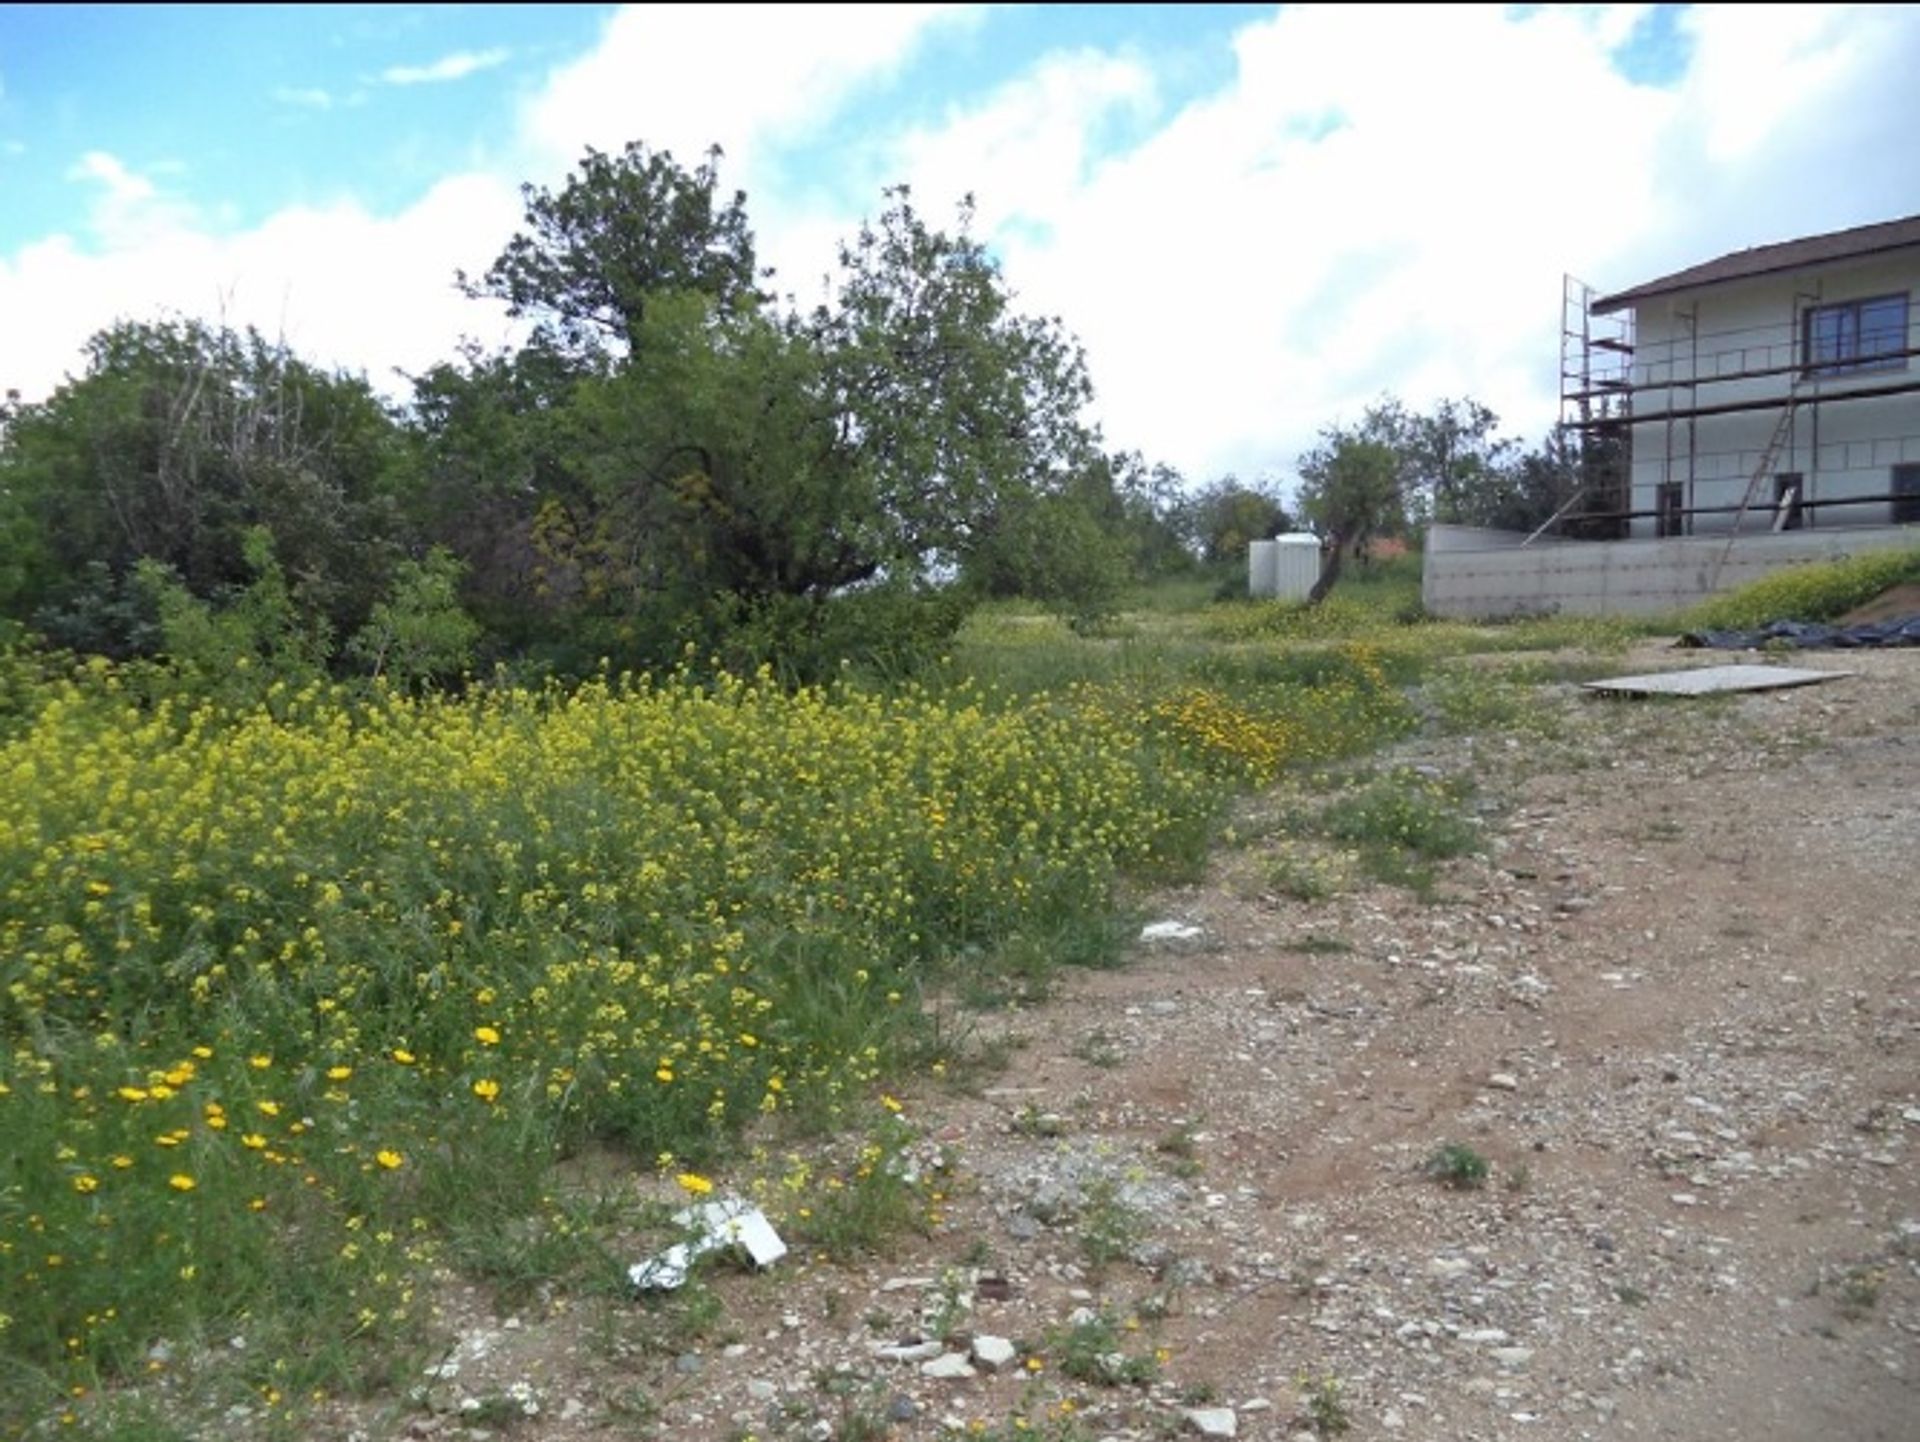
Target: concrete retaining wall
column 1477, row 575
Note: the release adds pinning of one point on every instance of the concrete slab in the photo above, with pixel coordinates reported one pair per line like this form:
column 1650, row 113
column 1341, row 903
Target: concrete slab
column 1713, row 681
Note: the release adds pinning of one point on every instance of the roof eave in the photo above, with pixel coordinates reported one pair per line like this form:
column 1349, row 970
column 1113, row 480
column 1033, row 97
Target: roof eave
column 1654, row 289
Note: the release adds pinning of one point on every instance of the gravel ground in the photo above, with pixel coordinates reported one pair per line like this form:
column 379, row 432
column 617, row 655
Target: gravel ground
column 1674, row 1006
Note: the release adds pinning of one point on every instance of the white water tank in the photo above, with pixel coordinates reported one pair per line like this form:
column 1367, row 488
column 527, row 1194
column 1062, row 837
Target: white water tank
column 1262, row 558
column 1295, row 565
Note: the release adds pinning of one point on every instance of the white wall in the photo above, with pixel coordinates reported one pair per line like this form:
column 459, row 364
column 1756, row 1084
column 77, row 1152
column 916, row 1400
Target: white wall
column 1466, row 576
column 1842, row 448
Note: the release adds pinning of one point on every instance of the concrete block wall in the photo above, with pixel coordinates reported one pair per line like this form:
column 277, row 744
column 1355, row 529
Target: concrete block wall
column 1481, row 575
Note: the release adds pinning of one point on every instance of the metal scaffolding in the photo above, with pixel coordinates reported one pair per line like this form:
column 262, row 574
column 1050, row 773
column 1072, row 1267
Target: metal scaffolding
column 1618, row 392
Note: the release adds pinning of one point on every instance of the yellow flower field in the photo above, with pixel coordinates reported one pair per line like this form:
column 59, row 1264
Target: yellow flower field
column 278, row 988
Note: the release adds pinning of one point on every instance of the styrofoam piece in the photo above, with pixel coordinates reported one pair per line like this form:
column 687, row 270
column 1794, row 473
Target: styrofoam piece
column 1168, row 931
column 717, row 1225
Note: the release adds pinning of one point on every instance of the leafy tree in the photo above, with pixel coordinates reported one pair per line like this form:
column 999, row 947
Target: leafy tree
column 243, row 641
column 1455, row 461
column 1147, row 506
column 949, row 402
column 1352, row 488
column 176, row 442
column 623, row 229
column 417, row 632
column 670, row 460
column 1228, row 513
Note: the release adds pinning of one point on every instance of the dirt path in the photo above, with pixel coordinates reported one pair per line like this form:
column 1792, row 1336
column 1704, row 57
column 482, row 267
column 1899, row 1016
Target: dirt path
column 1675, row 1006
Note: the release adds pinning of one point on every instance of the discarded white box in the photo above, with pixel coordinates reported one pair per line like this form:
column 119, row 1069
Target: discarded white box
column 728, row 1222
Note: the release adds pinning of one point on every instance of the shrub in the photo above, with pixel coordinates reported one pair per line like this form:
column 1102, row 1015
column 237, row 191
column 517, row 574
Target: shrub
column 1818, row 591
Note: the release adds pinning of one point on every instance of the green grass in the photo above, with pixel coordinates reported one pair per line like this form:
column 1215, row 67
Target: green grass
column 1817, row 591
column 1458, row 1166
column 316, row 970
column 1095, row 1351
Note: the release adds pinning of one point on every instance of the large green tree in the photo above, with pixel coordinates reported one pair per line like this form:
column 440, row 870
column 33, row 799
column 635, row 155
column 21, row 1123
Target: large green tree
column 1353, row 487
column 175, row 442
column 671, row 448
column 623, row 229
column 954, row 404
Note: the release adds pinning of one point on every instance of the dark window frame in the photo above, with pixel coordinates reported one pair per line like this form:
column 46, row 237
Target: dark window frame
column 1670, row 509
column 1841, row 352
column 1905, row 507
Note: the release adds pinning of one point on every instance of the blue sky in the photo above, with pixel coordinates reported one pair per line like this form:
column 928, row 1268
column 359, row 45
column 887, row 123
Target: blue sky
column 1257, row 219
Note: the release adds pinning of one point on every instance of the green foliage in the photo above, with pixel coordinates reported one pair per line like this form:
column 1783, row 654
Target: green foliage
column 1093, row 1351
column 178, row 440
column 1353, row 488
column 1222, row 517
column 670, row 463
column 870, row 1201
column 1326, row 1404
column 418, row 633
column 255, row 639
column 949, row 402
column 1109, row 1227
column 396, row 944
column 1400, row 824
column 1458, row 1166
column 1053, row 549
column 624, row 230
column 1817, row 591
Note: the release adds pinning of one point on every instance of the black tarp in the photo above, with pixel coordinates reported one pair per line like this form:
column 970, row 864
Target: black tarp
column 1808, row 636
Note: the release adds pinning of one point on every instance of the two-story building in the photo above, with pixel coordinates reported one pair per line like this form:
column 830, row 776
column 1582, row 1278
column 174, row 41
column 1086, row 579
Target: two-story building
column 1774, row 388
column 1752, row 412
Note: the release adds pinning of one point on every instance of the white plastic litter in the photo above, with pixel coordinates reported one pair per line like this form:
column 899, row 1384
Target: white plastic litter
column 1168, row 931
column 718, row 1225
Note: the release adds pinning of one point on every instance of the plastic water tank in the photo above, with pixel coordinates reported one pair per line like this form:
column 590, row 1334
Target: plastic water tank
column 1262, row 560
column 1296, row 565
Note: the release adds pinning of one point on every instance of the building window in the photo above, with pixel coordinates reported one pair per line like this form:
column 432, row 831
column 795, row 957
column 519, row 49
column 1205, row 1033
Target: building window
column 1858, row 335
column 1671, row 504
column 1906, row 495
column 1788, row 492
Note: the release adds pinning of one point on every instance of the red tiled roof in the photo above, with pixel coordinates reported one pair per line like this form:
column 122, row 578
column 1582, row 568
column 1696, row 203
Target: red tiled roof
column 1766, row 259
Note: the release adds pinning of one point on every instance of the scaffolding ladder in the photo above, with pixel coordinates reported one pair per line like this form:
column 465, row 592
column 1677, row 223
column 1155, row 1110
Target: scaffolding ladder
column 1769, row 459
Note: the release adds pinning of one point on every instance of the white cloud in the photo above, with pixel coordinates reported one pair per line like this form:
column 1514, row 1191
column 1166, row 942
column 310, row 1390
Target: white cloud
column 306, row 97
column 1339, row 218
column 344, row 287
column 457, row 66
column 744, row 77
column 1346, row 217
column 370, row 292
column 1029, row 142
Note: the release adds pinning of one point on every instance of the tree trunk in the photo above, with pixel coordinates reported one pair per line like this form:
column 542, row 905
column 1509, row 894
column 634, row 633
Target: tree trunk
column 1329, row 570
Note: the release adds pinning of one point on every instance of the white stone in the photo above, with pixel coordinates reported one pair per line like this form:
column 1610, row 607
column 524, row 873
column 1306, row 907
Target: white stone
column 993, row 1353
column 908, row 1351
column 948, row 1367
column 1212, row 1421
column 1514, row 1359
column 1504, row 1081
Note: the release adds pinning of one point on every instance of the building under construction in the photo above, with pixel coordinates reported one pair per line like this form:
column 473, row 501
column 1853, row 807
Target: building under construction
column 1752, row 412
column 1772, row 389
